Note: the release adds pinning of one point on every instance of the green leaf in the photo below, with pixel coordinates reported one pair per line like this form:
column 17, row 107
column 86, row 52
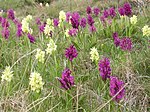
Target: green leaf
column 94, row 44
column 76, row 45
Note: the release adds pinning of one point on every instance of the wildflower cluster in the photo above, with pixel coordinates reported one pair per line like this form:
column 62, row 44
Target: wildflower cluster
column 125, row 43
column 19, row 32
column 133, row 19
column 5, row 27
column 72, row 32
column 125, row 10
column 117, row 89
column 41, row 25
column 146, row 30
column 11, row 14
column 36, row 82
column 116, row 39
column 68, row 16
column 5, row 24
column 31, row 38
column 51, row 46
column 71, row 53
column 116, row 86
column 40, row 55
column 75, row 20
column 95, row 10
column 83, row 22
column 49, row 28
column 104, row 68
column 55, row 22
column 94, row 54
column 62, row 16
column 7, row 74
column 70, row 25
column 26, row 29
column 25, row 24
column 67, row 81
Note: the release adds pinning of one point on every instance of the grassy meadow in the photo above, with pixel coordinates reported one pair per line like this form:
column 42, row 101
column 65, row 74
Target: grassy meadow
column 89, row 92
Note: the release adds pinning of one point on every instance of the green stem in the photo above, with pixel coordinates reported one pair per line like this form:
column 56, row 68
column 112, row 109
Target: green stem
column 45, row 62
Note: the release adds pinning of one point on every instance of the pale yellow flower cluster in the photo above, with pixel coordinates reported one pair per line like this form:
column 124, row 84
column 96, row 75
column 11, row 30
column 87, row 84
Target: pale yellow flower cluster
column 51, row 46
column 94, row 54
column 41, row 4
column 47, row 5
column 49, row 27
column 62, row 16
column 146, row 30
column 7, row 74
column 28, row 18
column 133, row 19
column 36, row 82
column 25, row 24
column 67, row 32
column 40, row 55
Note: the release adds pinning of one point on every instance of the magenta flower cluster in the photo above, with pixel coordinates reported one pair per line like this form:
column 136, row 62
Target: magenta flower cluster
column 19, row 30
column 83, row 22
column 73, row 32
column 116, row 86
column 67, row 80
column 117, row 89
column 121, row 11
column 38, row 21
column 71, row 53
column 41, row 27
column 104, row 68
column 107, row 16
column 96, row 10
column 31, row 38
column 11, row 14
column 90, row 20
column 125, row 10
column 5, row 24
column 55, row 22
column 105, row 13
column 75, row 20
column 116, row 39
column 125, row 43
column 5, row 28
column 112, row 12
column 109, row 12
column 89, row 10
column 92, row 28
column 68, row 16
column 5, row 33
